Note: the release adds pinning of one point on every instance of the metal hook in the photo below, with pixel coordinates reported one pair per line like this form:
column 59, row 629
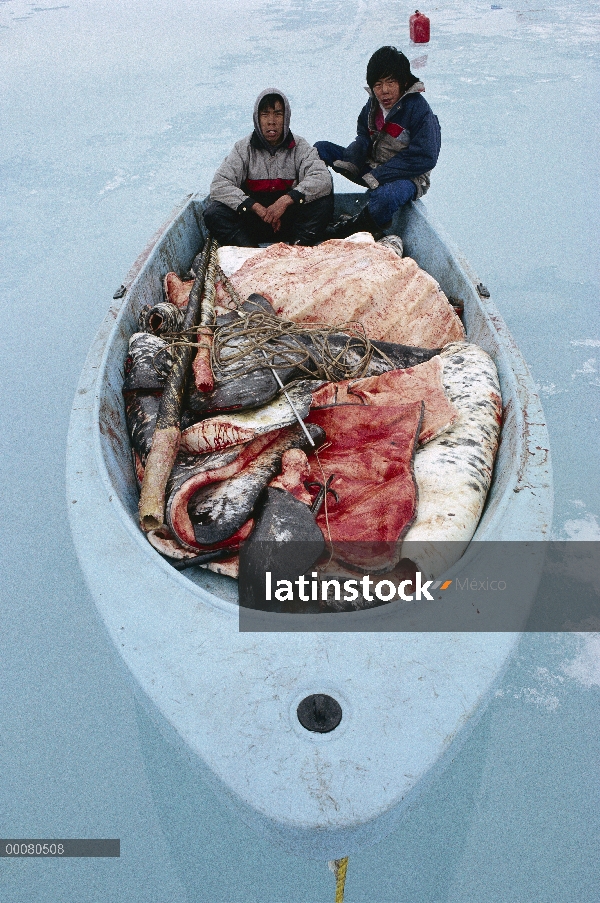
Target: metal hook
column 320, row 496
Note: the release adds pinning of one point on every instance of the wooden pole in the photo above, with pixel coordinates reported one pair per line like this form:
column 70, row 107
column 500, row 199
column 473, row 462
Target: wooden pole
column 203, row 375
column 167, row 433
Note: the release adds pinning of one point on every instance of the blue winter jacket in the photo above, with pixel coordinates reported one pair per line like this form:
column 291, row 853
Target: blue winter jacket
column 407, row 147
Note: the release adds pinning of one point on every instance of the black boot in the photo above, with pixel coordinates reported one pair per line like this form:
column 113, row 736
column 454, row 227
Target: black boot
column 360, row 222
column 241, row 239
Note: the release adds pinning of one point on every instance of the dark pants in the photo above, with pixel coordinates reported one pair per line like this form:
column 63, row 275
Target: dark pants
column 383, row 201
column 302, row 224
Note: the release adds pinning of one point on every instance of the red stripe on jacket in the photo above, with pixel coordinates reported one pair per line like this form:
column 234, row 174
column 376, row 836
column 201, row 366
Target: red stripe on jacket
column 393, row 129
column 381, row 125
column 259, row 185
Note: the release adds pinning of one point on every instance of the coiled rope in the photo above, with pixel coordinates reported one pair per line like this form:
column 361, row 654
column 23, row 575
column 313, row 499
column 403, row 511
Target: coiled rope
column 255, row 331
column 236, row 345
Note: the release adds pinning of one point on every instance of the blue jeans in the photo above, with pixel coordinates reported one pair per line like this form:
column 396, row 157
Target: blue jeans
column 382, row 201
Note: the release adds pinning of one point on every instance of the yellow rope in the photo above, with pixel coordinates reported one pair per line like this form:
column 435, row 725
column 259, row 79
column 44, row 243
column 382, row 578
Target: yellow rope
column 340, row 867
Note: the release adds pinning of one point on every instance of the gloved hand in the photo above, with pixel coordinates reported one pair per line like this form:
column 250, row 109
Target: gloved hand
column 349, row 170
column 370, row 180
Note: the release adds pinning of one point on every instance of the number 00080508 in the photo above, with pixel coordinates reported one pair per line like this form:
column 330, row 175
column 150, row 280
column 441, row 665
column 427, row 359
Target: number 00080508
column 34, row 849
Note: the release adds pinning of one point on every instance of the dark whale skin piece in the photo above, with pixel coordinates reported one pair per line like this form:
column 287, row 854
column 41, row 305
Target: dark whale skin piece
column 219, row 509
column 140, row 412
column 194, row 472
column 148, row 363
column 254, row 389
column 270, row 548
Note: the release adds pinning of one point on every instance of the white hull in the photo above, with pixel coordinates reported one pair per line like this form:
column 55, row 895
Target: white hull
column 229, row 699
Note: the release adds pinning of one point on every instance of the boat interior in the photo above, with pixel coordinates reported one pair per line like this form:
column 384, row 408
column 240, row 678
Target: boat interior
column 173, row 249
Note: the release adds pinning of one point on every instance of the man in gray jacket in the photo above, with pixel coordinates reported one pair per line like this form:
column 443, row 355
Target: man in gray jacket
column 273, row 186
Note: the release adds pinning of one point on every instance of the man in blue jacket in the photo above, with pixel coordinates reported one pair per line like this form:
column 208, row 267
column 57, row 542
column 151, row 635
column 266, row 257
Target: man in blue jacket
column 397, row 144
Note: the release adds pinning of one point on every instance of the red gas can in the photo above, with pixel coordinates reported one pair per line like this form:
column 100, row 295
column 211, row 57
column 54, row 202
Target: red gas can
column 419, row 28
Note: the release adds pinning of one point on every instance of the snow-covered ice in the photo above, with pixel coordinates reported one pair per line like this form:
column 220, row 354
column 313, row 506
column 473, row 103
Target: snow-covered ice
column 110, row 113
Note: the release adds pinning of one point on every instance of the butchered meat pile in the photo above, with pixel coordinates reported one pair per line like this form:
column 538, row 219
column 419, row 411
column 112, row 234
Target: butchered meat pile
column 404, row 450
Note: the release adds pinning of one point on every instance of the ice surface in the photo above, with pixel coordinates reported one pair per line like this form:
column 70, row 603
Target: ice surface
column 111, row 112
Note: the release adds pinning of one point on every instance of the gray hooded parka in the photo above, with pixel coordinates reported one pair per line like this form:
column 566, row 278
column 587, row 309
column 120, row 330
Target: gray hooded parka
column 254, row 170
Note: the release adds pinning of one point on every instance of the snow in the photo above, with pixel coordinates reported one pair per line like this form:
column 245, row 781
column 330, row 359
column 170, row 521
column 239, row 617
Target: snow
column 111, row 112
